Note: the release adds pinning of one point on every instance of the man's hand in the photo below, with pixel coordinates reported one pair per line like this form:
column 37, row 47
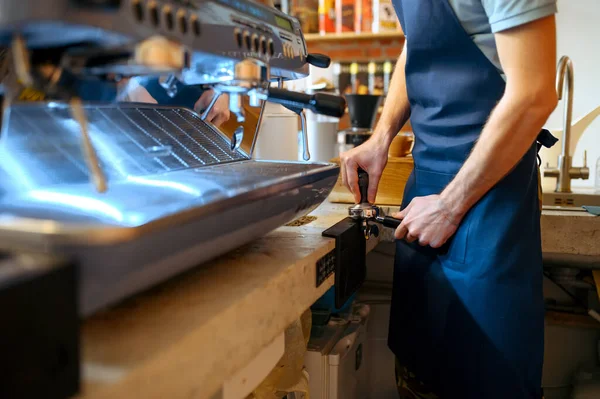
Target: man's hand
column 372, row 157
column 427, row 220
column 528, row 100
column 219, row 113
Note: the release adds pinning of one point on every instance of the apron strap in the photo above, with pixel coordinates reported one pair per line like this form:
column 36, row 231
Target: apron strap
column 544, row 139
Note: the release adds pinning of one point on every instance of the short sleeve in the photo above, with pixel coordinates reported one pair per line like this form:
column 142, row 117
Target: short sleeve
column 507, row 14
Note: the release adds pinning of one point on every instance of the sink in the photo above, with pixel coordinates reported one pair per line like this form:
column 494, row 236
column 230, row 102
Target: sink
column 571, row 201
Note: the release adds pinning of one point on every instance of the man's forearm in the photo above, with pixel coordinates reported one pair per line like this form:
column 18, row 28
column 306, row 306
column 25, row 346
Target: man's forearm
column 396, row 109
column 509, row 133
column 528, row 100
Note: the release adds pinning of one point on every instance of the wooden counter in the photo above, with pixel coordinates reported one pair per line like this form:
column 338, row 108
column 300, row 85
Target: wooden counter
column 568, row 233
column 187, row 336
column 184, row 338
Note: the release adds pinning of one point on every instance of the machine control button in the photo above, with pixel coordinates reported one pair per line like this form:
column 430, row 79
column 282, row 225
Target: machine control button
column 138, row 10
column 169, row 20
column 271, row 48
column 154, row 17
column 263, row 45
column 247, row 40
column 182, row 22
column 237, row 32
column 195, row 25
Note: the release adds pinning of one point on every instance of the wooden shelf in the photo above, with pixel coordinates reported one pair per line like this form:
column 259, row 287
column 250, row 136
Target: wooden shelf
column 350, row 36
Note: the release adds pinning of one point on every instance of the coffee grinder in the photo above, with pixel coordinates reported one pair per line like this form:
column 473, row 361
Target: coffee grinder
column 362, row 109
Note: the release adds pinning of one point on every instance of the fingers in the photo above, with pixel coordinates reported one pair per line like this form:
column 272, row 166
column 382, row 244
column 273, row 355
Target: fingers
column 373, row 186
column 352, row 180
column 402, row 214
column 401, row 231
column 220, row 119
column 436, row 244
column 349, row 174
column 343, row 170
column 411, row 238
column 219, row 113
column 204, row 100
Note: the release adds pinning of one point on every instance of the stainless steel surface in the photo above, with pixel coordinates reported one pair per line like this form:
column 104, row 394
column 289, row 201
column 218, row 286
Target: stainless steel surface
column 565, row 171
column 210, row 106
column 568, row 201
column 204, row 231
column 97, row 175
column 207, row 27
column 159, row 162
column 131, row 140
column 177, row 194
column 179, row 191
column 305, row 149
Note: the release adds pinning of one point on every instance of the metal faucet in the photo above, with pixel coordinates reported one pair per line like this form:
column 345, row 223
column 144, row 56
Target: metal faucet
column 564, row 171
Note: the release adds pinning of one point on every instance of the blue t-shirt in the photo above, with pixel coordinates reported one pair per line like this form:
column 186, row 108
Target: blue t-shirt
column 186, row 96
column 482, row 18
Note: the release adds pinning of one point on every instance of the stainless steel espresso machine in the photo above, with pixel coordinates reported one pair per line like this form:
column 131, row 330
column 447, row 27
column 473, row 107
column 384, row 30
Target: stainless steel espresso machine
column 100, row 200
column 136, row 193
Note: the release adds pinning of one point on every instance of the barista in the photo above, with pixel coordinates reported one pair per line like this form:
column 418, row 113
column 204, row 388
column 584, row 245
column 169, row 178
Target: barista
column 476, row 78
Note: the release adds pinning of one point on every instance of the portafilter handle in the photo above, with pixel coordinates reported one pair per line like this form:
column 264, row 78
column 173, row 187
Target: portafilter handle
column 363, row 186
column 319, row 103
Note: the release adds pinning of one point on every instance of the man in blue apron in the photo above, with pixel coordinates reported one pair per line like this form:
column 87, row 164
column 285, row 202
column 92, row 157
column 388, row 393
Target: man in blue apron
column 476, row 78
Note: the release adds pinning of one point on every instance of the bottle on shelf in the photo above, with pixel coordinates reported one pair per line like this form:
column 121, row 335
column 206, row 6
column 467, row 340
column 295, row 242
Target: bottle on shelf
column 363, row 16
column 344, row 16
column 326, row 16
column 384, row 17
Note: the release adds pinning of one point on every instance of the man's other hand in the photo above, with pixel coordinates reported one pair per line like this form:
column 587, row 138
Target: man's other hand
column 427, row 221
column 372, row 157
column 219, row 113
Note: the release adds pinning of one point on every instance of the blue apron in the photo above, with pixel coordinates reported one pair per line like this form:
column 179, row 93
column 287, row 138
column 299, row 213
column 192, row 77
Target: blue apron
column 468, row 323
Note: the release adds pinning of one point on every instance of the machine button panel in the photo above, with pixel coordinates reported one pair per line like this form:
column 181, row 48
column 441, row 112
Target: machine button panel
column 325, row 267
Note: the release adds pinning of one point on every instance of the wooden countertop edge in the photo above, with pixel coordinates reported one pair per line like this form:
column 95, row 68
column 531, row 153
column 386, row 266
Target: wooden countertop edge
column 160, row 335
column 554, row 318
column 171, row 334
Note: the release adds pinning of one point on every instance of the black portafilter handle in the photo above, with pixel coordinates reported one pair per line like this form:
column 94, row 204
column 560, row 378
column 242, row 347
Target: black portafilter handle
column 319, row 103
column 363, row 185
column 318, row 60
column 388, row 221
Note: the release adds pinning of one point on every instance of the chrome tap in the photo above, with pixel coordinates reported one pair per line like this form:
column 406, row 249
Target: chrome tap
column 565, row 171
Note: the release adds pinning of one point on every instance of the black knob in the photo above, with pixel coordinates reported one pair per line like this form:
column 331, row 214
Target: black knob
column 388, row 221
column 319, row 103
column 318, row 60
column 363, row 185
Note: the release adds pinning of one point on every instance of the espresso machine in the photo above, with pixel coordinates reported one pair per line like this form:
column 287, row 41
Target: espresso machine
column 106, row 199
